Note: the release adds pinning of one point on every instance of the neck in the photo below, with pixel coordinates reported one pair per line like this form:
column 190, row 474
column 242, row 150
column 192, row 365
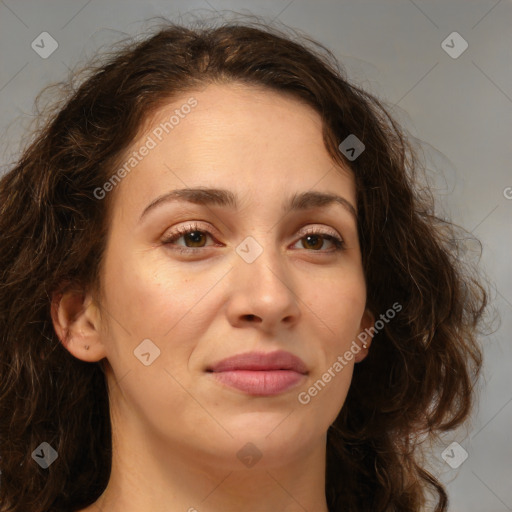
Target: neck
column 143, row 479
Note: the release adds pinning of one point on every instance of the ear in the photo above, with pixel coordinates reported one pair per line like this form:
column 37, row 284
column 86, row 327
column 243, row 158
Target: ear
column 76, row 321
column 365, row 336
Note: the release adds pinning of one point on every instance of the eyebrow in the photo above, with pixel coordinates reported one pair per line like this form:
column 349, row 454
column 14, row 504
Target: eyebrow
column 226, row 198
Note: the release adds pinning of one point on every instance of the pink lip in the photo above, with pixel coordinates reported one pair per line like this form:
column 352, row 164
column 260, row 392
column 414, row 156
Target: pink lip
column 257, row 373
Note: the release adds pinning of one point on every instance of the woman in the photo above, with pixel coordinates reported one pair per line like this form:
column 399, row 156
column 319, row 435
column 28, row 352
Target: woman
column 224, row 289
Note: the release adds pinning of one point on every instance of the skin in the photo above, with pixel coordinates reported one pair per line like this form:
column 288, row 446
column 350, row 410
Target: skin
column 176, row 430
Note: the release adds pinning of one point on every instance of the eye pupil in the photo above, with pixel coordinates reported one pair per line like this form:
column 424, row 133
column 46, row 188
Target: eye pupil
column 195, row 236
column 314, row 237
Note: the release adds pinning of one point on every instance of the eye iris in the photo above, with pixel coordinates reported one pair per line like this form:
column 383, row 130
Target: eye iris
column 318, row 238
column 195, row 237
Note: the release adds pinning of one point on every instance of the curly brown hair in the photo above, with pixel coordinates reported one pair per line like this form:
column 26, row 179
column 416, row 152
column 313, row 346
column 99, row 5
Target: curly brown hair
column 419, row 377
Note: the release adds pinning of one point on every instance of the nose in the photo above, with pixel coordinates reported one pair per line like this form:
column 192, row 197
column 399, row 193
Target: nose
column 263, row 292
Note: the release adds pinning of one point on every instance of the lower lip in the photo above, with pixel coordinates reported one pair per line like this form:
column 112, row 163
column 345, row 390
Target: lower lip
column 261, row 382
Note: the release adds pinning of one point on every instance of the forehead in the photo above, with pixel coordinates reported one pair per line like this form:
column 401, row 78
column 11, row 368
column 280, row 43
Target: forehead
column 234, row 136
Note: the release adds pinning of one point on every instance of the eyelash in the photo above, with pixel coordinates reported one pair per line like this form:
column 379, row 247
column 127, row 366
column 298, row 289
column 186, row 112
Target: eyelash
column 185, row 230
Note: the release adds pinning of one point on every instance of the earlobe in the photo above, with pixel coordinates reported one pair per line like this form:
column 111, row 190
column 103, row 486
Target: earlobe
column 365, row 336
column 76, row 323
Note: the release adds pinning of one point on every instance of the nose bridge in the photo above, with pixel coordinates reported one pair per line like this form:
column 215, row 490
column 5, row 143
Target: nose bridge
column 260, row 260
column 261, row 281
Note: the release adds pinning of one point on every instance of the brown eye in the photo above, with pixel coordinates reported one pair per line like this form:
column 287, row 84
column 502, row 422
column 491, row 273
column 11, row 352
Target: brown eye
column 314, row 241
column 195, row 237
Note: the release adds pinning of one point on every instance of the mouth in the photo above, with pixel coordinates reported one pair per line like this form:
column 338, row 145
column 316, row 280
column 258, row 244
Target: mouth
column 260, row 374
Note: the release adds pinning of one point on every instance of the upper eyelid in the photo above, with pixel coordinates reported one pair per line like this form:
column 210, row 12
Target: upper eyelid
column 196, row 226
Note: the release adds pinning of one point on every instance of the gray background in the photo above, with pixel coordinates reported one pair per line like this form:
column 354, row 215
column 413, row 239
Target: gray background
column 461, row 110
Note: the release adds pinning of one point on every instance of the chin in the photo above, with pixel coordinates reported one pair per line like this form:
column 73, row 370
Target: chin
column 279, row 429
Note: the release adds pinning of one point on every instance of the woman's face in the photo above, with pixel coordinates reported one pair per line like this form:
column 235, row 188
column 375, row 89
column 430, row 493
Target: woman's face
column 262, row 273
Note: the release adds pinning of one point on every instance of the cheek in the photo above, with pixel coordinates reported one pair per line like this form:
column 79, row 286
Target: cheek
column 335, row 310
column 154, row 298
column 152, row 301
column 149, row 297
column 338, row 304
column 324, row 395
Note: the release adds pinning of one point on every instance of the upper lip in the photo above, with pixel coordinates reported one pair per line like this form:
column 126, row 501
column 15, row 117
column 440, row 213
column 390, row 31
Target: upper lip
column 279, row 360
